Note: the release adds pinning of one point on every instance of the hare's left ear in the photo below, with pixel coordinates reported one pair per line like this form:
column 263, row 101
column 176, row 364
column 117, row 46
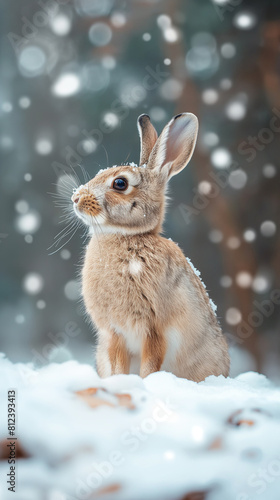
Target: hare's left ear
column 175, row 145
column 148, row 136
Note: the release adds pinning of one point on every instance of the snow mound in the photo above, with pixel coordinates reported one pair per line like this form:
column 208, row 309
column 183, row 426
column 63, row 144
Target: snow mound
column 124, row 438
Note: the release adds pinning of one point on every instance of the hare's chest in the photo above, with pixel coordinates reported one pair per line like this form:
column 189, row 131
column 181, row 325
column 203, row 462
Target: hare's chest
column 115, row 284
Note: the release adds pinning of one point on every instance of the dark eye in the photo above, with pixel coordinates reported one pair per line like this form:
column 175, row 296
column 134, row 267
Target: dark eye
column 120, row 184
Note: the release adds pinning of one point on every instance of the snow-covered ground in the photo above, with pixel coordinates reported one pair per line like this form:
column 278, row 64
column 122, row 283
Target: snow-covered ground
column 168, row 438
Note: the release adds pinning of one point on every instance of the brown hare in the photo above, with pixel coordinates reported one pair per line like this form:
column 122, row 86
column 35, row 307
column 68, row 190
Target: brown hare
column 149, row 306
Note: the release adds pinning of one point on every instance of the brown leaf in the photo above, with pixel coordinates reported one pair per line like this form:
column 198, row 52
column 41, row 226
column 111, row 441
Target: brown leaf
column 245, row 422
column 94, row 402
column 112, row 488
column 217, row 444
column 87, row 392
column 196, row 495
column 93, row 398
column 125, row 400
column 5, row 451
column 239, row 418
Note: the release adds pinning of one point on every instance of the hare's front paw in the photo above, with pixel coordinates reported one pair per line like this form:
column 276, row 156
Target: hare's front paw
column 153, row 353
column 112, row 357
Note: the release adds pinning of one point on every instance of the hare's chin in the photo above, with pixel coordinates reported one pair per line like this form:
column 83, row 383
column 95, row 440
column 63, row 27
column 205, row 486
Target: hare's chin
column 87, row 219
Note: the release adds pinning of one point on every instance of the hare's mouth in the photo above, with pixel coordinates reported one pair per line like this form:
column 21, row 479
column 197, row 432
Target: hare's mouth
column 89, row 219
column 86, row 207
column 86, row 204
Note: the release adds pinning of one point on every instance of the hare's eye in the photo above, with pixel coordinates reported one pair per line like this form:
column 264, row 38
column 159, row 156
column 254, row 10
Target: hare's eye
column 120, row 184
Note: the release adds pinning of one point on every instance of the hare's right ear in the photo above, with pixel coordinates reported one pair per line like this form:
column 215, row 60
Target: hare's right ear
column 175, row 145
column 148, row 136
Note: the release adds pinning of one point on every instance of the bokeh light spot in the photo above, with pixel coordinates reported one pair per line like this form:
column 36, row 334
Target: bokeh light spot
column 204, row 187
column 19, row 319
column 249, row 235
column 28, row 223
column 236, row 110
column 269, row 171
column 244, row 20
column 24, row 102
column 157, row 114
column 268, row 228
column 237, row 179
column 72, row 290
column 225, row 84
column 7, row 107
column 60, row 24
column 111, row 120
column 233, row 242
column 43, row 146
column 210, row 139
column 118, row 19
column 66, row 85
column 33, row 283
column 100, row 34
column 221, row 158
column 41, row 304
column 215, row 236
column 225, row 281
column 210, row 96
column 228, row 50
column 22, row 206
column 171, row 89
column 32, row 61
column 244, row 279
column 65, row 254
column 233, row 316
column 28, row 238
column 146, row 37
column 260, row 284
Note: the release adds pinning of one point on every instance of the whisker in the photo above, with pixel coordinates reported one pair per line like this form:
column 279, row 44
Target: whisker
column 86, row 175
column 73, row 180
column 65, row 243
column 75, row 174
column 107, row 157
column 127, row 157
column 62, row 234
column 66, row 188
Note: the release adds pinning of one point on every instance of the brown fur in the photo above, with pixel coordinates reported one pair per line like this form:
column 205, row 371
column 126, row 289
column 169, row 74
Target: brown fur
column 148, row 137
column 153, row 351
column 142, row 295
column 119, row 356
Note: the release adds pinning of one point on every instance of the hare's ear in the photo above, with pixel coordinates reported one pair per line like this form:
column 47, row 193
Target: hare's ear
column 175, row 145
column 148, row 136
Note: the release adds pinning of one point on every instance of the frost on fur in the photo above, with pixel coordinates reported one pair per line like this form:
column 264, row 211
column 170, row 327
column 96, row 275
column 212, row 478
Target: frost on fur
column 198, row 273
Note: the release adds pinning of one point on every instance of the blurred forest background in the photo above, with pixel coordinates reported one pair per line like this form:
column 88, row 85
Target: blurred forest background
column 75, row 74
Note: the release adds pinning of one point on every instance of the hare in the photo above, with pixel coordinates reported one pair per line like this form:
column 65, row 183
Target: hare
column 144, row 297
